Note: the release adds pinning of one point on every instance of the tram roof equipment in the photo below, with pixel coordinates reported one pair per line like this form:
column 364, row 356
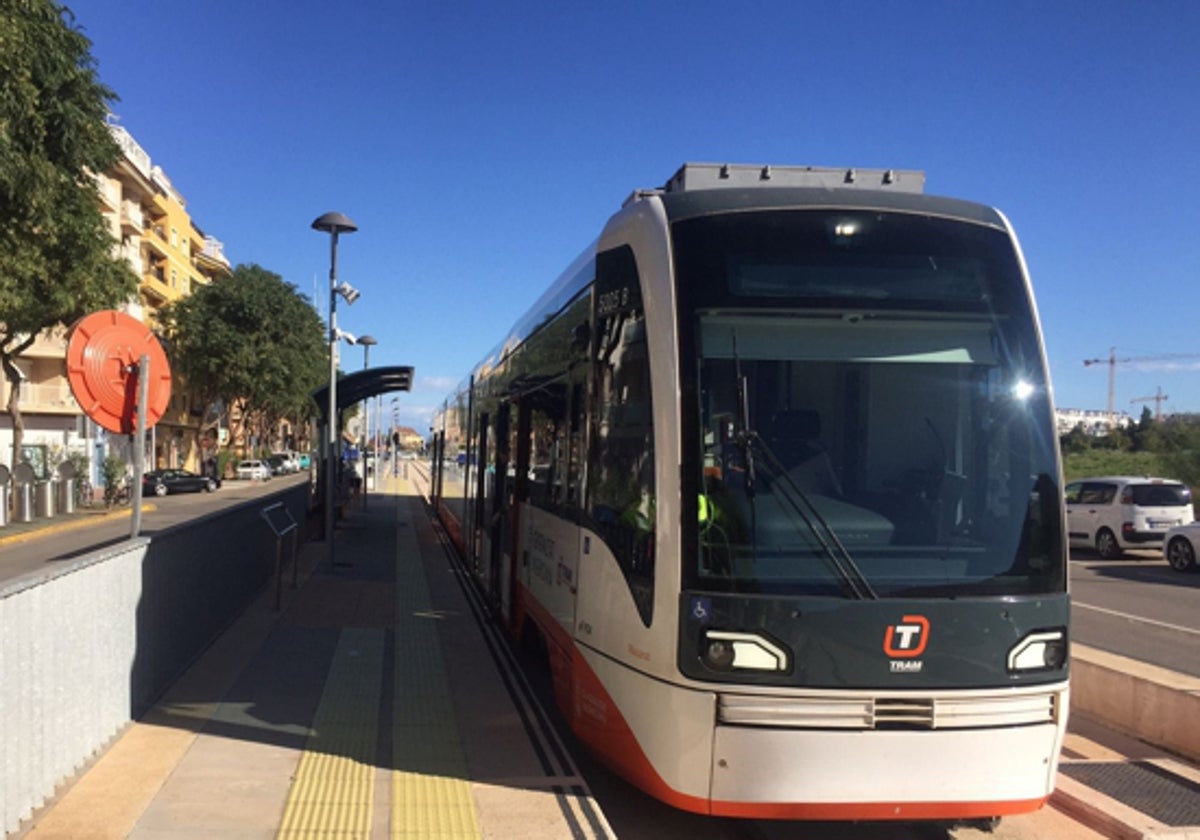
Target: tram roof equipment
column 712, row 176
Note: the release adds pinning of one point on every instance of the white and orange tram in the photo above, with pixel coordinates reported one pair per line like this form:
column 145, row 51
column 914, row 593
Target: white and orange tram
column 771, row 475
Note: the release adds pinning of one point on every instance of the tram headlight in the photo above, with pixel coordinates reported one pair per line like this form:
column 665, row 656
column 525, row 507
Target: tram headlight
column 725, row 650
column 1042, row 651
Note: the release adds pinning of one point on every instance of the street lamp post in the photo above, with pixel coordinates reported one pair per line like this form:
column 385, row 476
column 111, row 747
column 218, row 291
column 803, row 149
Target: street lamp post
column 367, row 342
column 334, row 224
column 395, row 437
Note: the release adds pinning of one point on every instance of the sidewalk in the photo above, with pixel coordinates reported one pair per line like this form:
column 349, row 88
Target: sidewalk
column 373, row 704
column 15, row 532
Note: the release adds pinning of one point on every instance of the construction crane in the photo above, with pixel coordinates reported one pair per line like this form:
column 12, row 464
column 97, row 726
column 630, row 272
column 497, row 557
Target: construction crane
column 1158, row 399
column 1112, row 361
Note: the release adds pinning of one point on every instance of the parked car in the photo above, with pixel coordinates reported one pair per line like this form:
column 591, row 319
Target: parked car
column 1114, row 513
column 1180, row 547
column 162, row 482
column 255, row 470
column 288, row 462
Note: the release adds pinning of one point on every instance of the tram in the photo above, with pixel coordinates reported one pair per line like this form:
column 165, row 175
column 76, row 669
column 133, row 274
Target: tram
column 771, row 476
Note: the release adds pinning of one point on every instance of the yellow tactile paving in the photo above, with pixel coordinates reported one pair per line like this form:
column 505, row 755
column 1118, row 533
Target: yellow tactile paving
column 427, row 806
column 431, row 792
column 333, row 792
column 399, row 485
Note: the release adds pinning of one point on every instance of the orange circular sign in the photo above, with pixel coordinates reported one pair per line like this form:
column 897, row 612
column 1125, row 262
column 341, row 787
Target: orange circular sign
column 103, row 354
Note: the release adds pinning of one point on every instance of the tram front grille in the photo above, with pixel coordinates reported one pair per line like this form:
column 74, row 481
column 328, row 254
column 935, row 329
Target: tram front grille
column 971, row 711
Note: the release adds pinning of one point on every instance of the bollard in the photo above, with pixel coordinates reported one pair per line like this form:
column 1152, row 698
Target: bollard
column 66, row 495
column 43, row 499
column 23, row 509
column 3, row 504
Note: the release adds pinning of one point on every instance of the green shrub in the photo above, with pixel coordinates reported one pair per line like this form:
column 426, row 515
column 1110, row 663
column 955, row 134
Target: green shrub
column 226, row 463
column 81, row 464
column 112, row 473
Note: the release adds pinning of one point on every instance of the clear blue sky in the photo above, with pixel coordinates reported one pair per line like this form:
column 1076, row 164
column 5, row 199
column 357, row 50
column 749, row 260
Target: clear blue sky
column 480, row 146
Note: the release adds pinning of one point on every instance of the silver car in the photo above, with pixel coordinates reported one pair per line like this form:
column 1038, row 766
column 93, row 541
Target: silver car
column 254, row 470
column 1180, row 547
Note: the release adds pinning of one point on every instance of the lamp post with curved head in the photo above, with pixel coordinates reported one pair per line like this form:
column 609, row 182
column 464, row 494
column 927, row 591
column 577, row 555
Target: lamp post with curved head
column 367, row 342
column 395, row 436
column 334, row 224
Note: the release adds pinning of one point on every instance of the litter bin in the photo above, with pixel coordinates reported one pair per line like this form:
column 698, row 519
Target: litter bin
column 43, row 499
column 66, row 495
column 23, row 509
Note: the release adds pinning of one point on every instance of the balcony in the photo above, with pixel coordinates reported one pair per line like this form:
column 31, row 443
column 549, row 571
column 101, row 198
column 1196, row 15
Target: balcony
column 52, row 397
column 211, row 261
column 155, row 240
column 131, row 252
column 155, row 207
column 132, row 219
column 110, row 192
column 154, row 292
column 49, row 344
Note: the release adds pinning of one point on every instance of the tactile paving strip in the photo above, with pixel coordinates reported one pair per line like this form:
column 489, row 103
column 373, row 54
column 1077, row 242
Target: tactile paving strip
column 332, row 795
column 1158, row 793
column 431, row 793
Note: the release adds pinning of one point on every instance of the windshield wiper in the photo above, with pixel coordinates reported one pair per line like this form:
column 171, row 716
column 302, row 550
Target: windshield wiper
column 744, row 437
column 832, row 548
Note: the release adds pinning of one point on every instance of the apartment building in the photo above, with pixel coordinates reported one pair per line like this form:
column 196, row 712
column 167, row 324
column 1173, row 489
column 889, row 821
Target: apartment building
column 152, row 230
column 1095, row 422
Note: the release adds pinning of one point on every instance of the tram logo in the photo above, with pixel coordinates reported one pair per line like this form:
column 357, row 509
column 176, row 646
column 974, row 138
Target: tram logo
column 907, row 639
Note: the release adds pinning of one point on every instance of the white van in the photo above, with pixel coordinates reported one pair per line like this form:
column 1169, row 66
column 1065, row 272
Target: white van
column 1115, row 513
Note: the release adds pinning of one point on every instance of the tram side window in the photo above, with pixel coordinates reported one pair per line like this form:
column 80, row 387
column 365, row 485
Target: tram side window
column 574, row 440
column 557, row 435
column 620, row 475
column 548, row 463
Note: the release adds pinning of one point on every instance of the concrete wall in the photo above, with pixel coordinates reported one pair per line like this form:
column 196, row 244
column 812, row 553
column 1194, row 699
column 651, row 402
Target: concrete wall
column 88, row 648
column 1158, row 706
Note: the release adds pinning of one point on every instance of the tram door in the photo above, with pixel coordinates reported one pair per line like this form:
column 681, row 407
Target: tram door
column 494, row 486
column 522, row 448
column 479, row 495
column 509, row 490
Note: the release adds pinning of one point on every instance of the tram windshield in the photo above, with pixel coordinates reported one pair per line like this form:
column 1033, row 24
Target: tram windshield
column 871, row 413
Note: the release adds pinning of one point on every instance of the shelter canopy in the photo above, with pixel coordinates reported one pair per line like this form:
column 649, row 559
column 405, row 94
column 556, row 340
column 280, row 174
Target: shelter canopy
column 364, row 384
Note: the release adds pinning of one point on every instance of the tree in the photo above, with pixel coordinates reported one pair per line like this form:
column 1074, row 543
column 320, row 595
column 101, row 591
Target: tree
column 249, row 339
column 1076, row 440
column 56, row 254
column 1147, row 433
column 1179, row 444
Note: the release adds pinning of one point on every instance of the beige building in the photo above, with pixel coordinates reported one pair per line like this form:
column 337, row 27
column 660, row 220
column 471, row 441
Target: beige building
column 152, row 230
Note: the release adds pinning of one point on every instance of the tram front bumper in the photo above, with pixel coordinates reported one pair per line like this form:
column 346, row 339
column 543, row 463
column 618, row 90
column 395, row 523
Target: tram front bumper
column 770, row 773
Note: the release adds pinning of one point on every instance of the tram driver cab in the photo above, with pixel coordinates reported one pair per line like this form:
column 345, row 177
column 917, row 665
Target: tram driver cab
column 795, row 441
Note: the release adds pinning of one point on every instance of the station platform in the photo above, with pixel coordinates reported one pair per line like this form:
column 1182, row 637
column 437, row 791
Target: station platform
column 378, row 701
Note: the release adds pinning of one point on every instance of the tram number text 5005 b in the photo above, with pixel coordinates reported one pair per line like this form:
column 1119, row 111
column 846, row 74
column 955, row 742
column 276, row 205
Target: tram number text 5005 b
column 610, row 303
